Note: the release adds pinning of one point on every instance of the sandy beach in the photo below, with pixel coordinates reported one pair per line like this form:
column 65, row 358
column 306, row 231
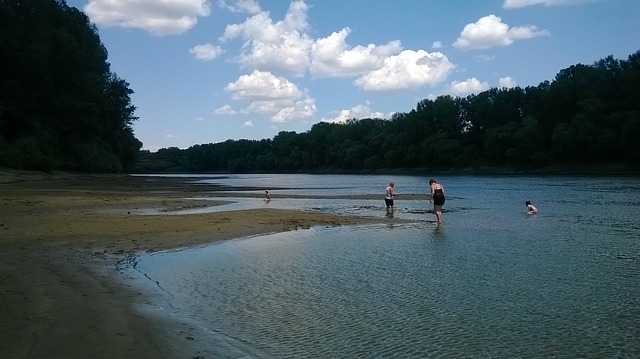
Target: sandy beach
column 62, row 237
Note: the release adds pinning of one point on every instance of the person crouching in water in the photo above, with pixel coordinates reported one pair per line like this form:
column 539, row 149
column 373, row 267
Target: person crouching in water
column 437, row 195
column 531, row 209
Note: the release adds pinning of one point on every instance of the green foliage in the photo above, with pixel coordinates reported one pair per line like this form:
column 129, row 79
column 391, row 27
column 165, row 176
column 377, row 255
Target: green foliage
column 60, row 105
column 587, row 115
column 26, row 153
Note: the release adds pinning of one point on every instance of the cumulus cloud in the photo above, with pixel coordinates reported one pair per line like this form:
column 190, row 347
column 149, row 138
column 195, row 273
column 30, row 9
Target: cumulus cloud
column 409, row 69
column 507, row 82
column 260, row 85
column 247, row 124
column 301, row 110
column 225, row 110
column 273, row 95
column 160, row 18
column 514, row 4
column 284, row 48
column 241, row 6
column 332, row 57
column 357, row 112
column 206, row 52
column 281, row 47
column 469, row 86
column 437, row 45
column 490, row 31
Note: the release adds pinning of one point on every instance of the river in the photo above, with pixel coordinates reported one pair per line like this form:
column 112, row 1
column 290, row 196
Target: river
column 490, row 281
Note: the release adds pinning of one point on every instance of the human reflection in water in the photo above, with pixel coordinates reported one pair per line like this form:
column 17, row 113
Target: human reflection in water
column 438, row 233
column 390, row 213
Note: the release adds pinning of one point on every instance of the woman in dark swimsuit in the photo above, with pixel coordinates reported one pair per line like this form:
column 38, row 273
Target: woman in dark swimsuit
column 437, row 195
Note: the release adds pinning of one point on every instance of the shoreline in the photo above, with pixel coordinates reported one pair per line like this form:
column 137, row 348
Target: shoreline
column 64, row 293
column 66, row 252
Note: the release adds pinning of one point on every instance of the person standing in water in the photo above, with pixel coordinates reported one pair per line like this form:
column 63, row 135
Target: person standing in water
column 267, row 196
column 388, row 197
column 531, row 209
column 437, row 195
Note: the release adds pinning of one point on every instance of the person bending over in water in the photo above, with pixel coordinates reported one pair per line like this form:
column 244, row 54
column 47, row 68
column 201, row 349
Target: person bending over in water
column 531, row 209
column 437, row 195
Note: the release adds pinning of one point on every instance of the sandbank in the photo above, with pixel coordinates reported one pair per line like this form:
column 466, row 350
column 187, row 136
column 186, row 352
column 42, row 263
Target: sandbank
column 62, row 236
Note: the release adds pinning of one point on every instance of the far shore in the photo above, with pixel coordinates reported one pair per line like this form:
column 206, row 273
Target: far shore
column 62, row 236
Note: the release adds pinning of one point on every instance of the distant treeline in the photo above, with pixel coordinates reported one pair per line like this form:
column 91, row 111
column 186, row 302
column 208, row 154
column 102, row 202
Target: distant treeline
column 61, row 108
column 587, row 115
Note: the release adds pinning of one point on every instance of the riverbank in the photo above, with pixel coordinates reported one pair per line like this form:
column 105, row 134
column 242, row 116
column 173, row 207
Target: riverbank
column 63, row 236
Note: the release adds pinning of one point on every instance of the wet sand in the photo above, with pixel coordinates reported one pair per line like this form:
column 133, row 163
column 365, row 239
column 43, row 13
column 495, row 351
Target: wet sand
column 62, row 237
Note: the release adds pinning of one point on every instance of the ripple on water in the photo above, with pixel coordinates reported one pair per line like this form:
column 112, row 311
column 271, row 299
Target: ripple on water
column 410, row 291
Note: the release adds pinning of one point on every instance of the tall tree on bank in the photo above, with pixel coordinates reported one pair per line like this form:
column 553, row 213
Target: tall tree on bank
column 60, row 105
column 588, row 115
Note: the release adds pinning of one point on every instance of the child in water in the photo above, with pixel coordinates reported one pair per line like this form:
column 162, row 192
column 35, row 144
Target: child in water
column 531, row 209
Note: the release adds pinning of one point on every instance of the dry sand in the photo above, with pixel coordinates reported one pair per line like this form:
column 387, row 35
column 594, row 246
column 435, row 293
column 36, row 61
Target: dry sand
column 61, row 238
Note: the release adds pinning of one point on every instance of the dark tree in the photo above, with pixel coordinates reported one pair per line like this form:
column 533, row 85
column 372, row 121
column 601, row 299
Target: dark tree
column 587, row 115
column 60, row 105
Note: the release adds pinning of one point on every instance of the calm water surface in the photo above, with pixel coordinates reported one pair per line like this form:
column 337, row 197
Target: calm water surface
column 491, row 281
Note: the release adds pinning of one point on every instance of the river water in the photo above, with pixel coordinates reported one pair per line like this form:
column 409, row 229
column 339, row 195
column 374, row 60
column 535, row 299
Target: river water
column 491, row 281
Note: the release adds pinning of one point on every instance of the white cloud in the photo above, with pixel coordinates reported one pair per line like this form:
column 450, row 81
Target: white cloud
column 199, row 119
column 266, row 107
column 276, row 96
column 284, row 47
column 469, row 86
column 301, row 110
column 507, row 82
column 160, row 18
column 514, row 4
column 278, row 47
column 490, row 31
column 171, row 136
column 357, row 112
column 247, row 124
column 225, row 110
column 260, row 85
column 409, row 69
column 332, row 57
column 242, row 6
column 437, row 45
column 206, row 52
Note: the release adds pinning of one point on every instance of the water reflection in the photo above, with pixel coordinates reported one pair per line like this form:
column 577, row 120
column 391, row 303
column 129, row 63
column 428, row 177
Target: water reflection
column 550, row 285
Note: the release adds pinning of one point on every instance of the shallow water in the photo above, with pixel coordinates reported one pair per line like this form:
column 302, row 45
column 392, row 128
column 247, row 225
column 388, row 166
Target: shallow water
column 491, row 281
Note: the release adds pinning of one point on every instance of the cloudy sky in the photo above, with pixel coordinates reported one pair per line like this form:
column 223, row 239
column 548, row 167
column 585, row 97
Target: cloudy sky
column 205, row 71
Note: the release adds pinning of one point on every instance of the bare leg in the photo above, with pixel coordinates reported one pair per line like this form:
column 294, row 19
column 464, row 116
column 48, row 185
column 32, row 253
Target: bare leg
column 438, row 210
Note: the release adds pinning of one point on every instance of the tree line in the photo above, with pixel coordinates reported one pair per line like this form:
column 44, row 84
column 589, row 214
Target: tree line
column 61, row 107
column 588, row 115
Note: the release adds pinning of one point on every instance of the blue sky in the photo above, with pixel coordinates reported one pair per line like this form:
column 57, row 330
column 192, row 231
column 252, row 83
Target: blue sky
column 205, row 71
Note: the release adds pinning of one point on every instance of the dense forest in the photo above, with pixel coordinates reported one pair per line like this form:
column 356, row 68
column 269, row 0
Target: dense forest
column 61, row 108
column 588, row 115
